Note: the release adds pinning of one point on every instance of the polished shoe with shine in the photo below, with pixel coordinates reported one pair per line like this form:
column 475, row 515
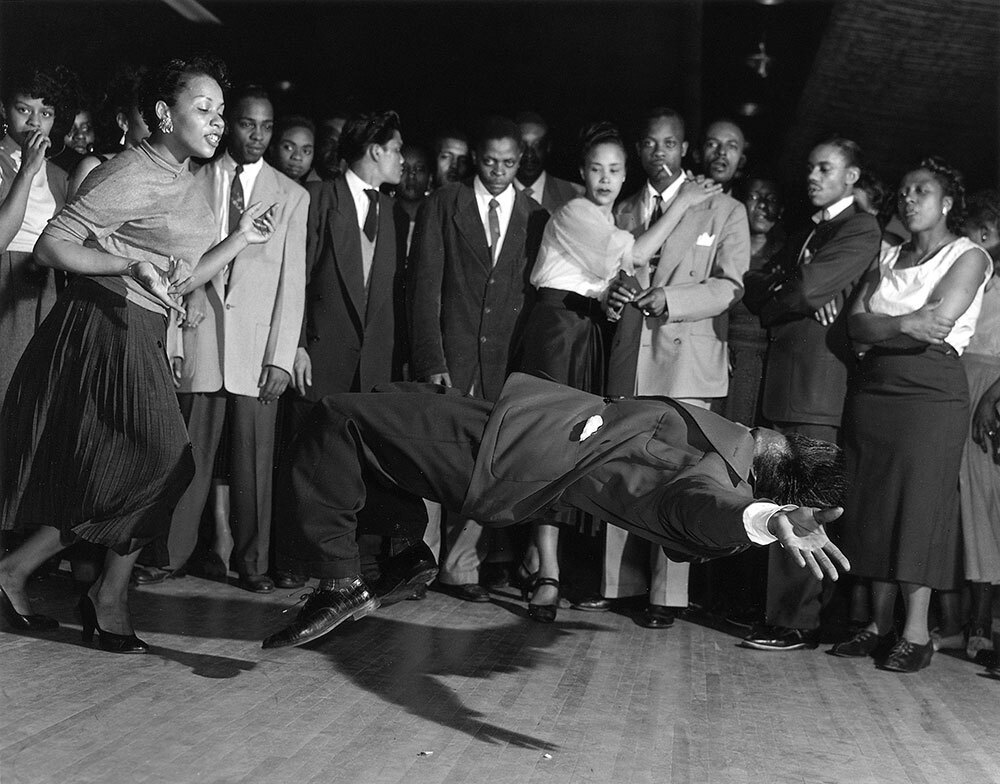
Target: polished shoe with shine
column 907, row 656
column 106, row 641
column 256, row 583
column 323, row 612
column 24, row 623
column 656, row 616
column 592, row 604
column 284, row 579
column 542, row 613
column 864, row 643
column 780, row 638
column 469, row 592
column 149, row 575
column 404, row 572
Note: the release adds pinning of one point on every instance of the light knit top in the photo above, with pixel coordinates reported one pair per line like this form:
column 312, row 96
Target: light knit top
column 902, row 291
column 986, row 339
column 46, row 195
column 143, row 207
column 582, row 250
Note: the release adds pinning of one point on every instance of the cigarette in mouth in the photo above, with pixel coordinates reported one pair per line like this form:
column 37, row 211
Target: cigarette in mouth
column 666, row 170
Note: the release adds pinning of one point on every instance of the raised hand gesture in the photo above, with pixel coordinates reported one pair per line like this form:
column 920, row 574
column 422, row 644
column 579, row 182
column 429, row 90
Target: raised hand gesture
column 33, row 153
column 257, row 223
column 802, row 534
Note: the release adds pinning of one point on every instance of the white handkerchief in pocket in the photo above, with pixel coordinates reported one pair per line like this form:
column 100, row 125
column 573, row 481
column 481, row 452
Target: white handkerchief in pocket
column 705, row 240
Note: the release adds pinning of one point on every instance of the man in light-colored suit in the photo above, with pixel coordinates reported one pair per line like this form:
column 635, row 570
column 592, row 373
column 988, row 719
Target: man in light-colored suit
column 532, row 179
column 239, row 359
column 676, row 344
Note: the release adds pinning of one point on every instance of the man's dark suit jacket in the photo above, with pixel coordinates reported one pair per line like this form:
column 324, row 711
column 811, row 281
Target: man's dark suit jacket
column 805, row 380
column 466, row 314
column 354, row 344
column 671, row 473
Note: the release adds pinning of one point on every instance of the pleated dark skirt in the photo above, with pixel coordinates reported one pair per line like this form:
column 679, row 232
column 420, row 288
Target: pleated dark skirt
column 904, row 430
column 562, row 340
column 91, row 436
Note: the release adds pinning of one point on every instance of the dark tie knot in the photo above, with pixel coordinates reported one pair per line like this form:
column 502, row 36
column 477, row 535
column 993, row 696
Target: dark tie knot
column 494, row 204
column 372, row 194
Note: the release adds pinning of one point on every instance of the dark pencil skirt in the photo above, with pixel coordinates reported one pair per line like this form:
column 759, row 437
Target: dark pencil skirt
column 905, row 425
column 92, row 441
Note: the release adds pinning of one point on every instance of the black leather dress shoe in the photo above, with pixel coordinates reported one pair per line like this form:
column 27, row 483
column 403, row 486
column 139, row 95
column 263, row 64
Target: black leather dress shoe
column 470, row 592
column 323, row 612
column 256, row 583
column 780, row 638
column 656, row 616
column 907, row 656
column 288, row 580
column 592, row 604
column 24, row 623
column 404, row 572
column 864, row 643
column 149, row 575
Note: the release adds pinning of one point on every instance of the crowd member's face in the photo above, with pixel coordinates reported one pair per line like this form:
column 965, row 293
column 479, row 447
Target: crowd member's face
column 987, row 236
column 252, row 126
column 390, row 160
column 535, row 143
column 197, row 118
column 829, row 177
column 763, row 206
column 26, row 114
column 293, row 152
column 603, row 174
column 921, row 201
column 722, row 151
column 416, row 176
column 452, row 163
column 496, row 164
column 328, row 145
column 662, row 144
column 81, row 136
column 133, row 126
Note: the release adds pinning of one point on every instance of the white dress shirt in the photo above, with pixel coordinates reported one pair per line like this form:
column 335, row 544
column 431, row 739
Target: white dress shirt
column 651, row 193
column 357, row 186
column 537, row 187
column 825, row 214
column 247, row 179
column 506, row 207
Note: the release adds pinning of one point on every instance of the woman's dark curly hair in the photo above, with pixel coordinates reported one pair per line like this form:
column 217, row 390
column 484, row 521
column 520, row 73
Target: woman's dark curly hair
column 600, row 133
column 952, row 184
column 983, row 207
column 164, row 82
column 58, row 87
column 121, row 97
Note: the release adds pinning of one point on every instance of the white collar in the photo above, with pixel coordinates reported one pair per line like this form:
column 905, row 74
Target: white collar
column 831, row 212
column 537, row 187
column 505, row 199
column 668, row 193
column 252, row 169
column 356, row 184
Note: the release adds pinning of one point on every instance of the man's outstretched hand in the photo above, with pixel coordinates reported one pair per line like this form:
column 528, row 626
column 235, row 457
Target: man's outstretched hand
column 802, row 534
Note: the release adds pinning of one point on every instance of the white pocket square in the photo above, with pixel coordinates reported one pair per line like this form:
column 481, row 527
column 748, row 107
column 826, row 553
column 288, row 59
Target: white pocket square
column 705, row 240
column 591, row 426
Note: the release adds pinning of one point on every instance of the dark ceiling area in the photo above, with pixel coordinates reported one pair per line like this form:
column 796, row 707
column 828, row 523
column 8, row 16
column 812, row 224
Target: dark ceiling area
column 902, row 77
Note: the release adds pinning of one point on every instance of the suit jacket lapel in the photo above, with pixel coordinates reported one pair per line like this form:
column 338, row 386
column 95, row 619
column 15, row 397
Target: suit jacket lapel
column 470, row 225
column 731, row 440
column 683, row 237
column 265, row 191
column 347, row 247
column 517, row 230
column 384, row 262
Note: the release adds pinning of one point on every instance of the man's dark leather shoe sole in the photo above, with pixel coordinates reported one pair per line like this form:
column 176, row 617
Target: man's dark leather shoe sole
column 404, row 573
column 781, row 639
column 256, row 583
column 324, row 612
column 471, row 592
column 592, row 604
column 656, row 617
column 288, row 580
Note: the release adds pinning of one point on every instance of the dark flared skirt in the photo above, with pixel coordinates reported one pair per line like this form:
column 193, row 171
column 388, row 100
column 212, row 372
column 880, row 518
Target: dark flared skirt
column 562, row 340
column 904, row 431
column 91, row 436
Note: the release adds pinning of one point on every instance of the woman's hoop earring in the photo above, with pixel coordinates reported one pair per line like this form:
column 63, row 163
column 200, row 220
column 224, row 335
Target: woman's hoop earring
column 166, row 125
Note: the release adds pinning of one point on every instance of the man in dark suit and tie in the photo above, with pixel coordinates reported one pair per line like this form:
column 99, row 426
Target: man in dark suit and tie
column 677, row 475
column 532, row 178
column 809, row 358
column 471, row 256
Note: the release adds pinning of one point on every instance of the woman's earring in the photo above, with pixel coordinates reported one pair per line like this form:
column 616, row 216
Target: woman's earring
column 166, row 124
column 121, row 141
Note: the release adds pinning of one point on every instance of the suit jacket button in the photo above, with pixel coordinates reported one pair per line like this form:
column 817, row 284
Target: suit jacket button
column 228, row 306
column 492, row 281
column 487, row 310
column 314, row 338
column 691, row 273
column 677, row 341
column 482, row 339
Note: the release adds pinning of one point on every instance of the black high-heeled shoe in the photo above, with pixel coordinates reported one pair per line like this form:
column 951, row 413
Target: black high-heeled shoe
column 106, row 641
column 24, row 623
column 543, row 613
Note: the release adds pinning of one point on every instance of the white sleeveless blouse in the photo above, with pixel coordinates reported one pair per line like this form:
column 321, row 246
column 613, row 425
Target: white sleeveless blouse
column 902, row 291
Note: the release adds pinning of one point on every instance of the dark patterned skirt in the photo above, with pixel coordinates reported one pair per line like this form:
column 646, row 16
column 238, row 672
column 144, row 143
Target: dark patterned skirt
column 904, row 431
column 92, row 441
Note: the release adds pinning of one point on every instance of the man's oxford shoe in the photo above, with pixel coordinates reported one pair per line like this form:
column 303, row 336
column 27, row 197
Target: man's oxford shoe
column 780, row 638
column 288, row 580
column 404, row 572
column 656, row 616
column 256, row 583
column 323, row 612
column 592, row 604
column 865, row 643
column 470, row 592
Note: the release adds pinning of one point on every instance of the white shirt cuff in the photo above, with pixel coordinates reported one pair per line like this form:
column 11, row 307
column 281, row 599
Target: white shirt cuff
column 755, row 518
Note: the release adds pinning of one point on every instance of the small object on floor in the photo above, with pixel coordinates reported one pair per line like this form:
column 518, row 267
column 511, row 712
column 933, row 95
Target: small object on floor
column 546, row 756
column 907, row 656
column 403, row 572
column 656, row 616
column 780, row 638
column 979, row 640
column 24, row 623
column 419, row 593
column 541, row 613
column 106, row 641
column 425, row 753
column 470, row 592
column 256, row 583
column 494, row 576
column 284, row 579
column 948, row 642
column 324, row 611
column 149, row 575
column 865, row 643
column 211, row 567
column 592, row 604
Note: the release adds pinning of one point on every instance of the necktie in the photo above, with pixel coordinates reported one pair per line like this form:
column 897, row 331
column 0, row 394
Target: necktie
column 236, row 200
column 371, row 219
column 657, row 209
column 494, row 221
column 529, row 193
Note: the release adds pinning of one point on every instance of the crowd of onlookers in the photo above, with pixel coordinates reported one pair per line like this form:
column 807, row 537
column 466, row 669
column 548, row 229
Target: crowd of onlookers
column 874, row 325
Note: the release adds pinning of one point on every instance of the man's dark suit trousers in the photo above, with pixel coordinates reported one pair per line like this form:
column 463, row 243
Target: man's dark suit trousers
column 371, row 450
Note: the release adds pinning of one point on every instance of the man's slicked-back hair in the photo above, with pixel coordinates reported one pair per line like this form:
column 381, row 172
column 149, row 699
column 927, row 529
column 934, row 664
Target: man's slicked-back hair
column 807, row 472
column 496, row 127
column 363, row 130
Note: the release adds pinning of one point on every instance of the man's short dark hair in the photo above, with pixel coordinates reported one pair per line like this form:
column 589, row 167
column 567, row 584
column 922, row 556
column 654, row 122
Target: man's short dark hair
column 449, row 133
column 522, row 118
column 363, row 130
column 655, row 114
column 808, row 472
column 246, row 92
column 496, row 127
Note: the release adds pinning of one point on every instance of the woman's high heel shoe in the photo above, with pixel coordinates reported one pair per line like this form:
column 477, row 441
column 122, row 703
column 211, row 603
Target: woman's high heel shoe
column 106, row 641
column 24, row 623
column 543, row 613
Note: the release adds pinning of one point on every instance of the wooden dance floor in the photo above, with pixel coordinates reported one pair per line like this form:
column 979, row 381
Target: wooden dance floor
column 445, row 691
